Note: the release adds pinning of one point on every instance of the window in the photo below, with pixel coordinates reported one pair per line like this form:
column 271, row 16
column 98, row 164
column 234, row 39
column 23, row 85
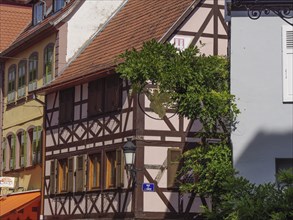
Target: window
column 21, row 79
column 62, row 176
column 66, row 105
column 173, row 160
column 38, row 13
column 22, row 148
column 283, row 164
column 36, row 145
column 80, row 173
column 287, row 32
column 33, row 72
column 11, row 83
column 48, row 63
column 104, row 95
column 70, row 174
column 58, row 4
column 114, row 169
column 95, row 171
column 12, row 142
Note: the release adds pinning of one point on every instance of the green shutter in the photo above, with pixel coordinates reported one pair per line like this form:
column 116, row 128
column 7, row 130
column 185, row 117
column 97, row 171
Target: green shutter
column 119, row 168
column 13, row 150
column 24, row 148
column 173, row 159
column 80, row 173
column 70, row 174
column 4, row 154
column 53, row 177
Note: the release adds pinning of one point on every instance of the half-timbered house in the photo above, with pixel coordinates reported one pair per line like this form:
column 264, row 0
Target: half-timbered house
column 90, row 112
column 53, row 35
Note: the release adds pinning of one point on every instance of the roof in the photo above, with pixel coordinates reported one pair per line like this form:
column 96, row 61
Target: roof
column 53, row 20
column 17, row 201
column 135, row 23
column 13, row 20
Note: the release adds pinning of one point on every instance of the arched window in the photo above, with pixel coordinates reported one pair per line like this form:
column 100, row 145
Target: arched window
column 33, row 72
column 22, row 148
column 35, row 135
column 21, row 79
column 11, row 83
column 48, row 63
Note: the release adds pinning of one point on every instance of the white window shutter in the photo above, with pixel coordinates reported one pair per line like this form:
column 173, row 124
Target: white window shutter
column 287, row 38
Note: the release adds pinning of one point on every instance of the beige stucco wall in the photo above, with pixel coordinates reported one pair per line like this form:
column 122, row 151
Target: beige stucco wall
column 24, row 116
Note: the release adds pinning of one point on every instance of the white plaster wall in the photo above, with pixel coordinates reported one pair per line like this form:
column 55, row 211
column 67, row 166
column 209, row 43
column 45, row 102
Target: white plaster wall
column 86, row 21
column 265, row 129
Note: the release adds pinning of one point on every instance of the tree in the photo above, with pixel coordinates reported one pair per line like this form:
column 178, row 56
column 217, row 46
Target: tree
column 197, row 87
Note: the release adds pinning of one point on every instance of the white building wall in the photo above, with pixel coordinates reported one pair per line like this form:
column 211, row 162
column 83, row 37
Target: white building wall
column 265, row 129
column 86, row 21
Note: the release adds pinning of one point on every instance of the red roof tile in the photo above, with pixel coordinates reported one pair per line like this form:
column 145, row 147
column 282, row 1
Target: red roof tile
column 13, row 20
column 138, row 21
column 50, row 21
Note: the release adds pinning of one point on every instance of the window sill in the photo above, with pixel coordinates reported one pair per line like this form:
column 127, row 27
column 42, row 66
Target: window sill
column 21, row 100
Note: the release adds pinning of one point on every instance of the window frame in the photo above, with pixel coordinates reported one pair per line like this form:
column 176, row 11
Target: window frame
column 110, row 165
column 62, row 176
column 33, row 71
column 11, row 83
column 38, row 15
column 21, row 76
column 47, row 60
column 35, row 135
column 95, row 160
column 60, row 6
column 21, row 136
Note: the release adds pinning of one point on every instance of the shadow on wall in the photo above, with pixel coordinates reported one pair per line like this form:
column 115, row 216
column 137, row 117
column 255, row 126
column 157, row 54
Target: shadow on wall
column 258, row 161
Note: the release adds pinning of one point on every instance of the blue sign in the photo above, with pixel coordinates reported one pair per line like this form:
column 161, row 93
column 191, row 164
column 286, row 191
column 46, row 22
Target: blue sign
column 148, row 187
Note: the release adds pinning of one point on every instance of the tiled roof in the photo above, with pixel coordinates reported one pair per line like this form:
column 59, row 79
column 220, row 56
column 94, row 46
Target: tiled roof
column 50, row 21
column 138, row 21
column 13, row 20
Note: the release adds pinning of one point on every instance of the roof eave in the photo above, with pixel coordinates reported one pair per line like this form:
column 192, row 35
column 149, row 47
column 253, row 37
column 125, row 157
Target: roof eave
column 11, row 50
column 173, row 28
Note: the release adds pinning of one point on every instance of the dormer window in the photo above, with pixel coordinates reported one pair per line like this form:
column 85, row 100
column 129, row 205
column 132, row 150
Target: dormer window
column 58, row 5
column 38, row 13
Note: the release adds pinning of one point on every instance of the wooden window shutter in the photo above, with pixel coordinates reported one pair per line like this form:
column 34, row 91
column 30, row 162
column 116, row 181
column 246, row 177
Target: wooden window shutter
column 70, row 174
column 173, row 159
column 24, row 148
column 80, row 173
column 13, row 142
column 96, row 97
column 53, row 176
column 66, row 108
column 119, row 168
column 113, row 93
column 287, row 37
column 4, row 154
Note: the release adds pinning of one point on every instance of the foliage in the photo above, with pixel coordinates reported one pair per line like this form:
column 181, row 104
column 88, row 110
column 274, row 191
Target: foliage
column 197, row 86
column 234, row 197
